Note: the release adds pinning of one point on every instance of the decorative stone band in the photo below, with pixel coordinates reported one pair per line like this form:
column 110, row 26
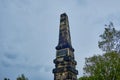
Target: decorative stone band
column 65, row 58
column 64, row 69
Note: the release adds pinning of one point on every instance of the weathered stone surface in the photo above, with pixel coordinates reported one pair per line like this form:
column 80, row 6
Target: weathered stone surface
column 64, row 33
column 65, row 64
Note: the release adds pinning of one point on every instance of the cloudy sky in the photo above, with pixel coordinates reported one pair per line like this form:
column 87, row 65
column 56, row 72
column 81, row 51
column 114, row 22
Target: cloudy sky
column 29, row 32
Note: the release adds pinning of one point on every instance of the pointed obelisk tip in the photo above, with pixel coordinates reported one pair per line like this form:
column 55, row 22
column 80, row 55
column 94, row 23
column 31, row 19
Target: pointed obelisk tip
column 63, row 14
column 64, row 33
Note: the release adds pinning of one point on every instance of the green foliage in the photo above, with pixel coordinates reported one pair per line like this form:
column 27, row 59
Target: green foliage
column 106, row 66
column 22, row 77
column 110, row 39
column 102, row 67
column 107, row 42
column 87, row 78
column 6, row 79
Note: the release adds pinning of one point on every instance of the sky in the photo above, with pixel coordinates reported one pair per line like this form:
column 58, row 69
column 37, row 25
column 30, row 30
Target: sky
column 29, row 32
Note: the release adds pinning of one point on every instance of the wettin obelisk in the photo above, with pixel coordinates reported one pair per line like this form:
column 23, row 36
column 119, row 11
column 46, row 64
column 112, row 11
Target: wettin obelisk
column 65, row 64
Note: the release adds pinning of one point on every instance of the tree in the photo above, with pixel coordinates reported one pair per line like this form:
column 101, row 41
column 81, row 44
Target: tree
column 106, row 66
column 22, row 77
column 87, row 78
column 102, row 67
column 110, row 39
column 6, row 79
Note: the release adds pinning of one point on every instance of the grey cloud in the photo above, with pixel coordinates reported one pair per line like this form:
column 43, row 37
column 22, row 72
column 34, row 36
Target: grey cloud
column 45, row 68
column 11, row 56
column 5, row 64
column 48, row 68
column 30, row 66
